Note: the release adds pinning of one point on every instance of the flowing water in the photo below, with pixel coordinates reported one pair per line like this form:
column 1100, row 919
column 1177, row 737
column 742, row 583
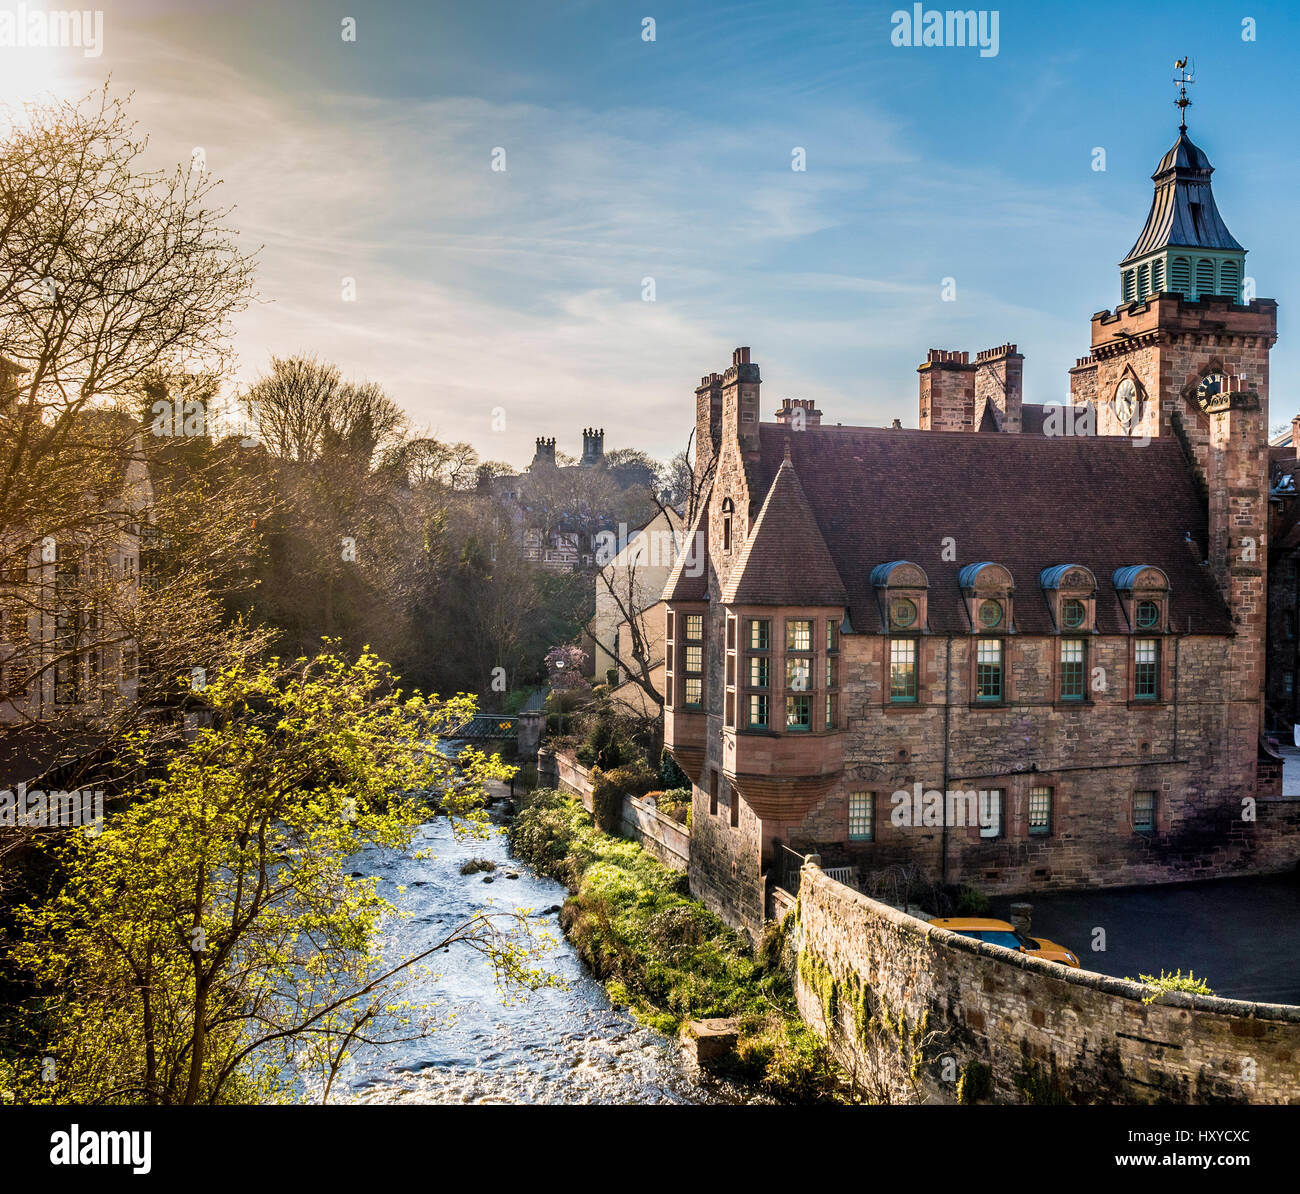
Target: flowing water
column 567, row 1045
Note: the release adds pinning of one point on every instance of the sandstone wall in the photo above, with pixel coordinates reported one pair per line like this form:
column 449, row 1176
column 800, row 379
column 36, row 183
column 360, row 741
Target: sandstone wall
column 928, row 1016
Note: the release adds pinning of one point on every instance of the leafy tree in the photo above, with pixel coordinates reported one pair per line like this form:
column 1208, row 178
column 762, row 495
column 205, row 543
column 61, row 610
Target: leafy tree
column 212, row 937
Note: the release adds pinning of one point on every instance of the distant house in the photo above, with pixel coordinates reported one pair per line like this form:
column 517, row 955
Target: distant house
column 627, row 629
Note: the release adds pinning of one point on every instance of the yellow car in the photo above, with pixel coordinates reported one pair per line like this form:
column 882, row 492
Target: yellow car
column 999, row 932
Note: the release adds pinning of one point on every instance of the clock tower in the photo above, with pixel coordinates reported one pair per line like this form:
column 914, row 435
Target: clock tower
column 1185, row 354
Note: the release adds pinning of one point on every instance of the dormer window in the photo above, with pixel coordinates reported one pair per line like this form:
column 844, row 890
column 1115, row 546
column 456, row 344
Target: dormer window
column 1144, row 593
column 1147, row 615
column 988, row 591
column 1071, row 592
column 902, row 613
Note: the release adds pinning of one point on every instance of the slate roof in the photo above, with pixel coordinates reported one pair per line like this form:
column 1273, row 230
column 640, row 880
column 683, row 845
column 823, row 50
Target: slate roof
column 1183, row 211
column 785, row 560
column 1028, row 502
column 689, row 579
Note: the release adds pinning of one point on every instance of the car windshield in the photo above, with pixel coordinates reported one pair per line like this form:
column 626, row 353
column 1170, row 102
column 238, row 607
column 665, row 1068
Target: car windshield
column 999, row 937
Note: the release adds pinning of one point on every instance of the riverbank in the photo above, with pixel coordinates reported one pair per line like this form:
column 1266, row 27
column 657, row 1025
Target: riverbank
column 562, row 1045
column 667, row 958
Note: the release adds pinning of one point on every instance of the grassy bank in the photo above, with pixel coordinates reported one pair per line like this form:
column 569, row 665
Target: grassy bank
column 666, row 957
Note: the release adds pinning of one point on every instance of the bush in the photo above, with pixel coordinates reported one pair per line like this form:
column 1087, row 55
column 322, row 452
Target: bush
column 972, row 902
column 1172, row 982
column 665, row 956
column 608, row 790
column 670, row 775
column 676, row 804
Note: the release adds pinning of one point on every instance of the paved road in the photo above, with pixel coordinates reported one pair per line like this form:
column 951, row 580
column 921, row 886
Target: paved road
column 1241, row 935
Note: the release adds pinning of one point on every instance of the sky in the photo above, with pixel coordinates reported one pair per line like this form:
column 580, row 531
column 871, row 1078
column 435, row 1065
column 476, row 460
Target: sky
column 498, row 305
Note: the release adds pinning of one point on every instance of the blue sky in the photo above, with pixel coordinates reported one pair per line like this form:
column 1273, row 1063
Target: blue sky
column 521, row 290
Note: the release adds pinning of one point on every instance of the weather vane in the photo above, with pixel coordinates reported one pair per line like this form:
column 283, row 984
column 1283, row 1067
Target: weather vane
column 1182, row 102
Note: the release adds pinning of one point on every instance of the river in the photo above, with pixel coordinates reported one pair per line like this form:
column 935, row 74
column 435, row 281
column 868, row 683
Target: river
column 567, row 1045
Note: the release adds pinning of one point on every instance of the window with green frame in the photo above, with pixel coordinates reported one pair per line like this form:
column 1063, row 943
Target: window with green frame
column 862, row 827
column 798, row 634
column 1040, row 811
column 798, row 712
column 760, row 634
column 830, row 710
column 1146, row 669
column 830, row 635
column 757, row 711
column 1144, row 811
column 902, row 670
column 798, row 672
column 988, row 669
column 759, row 671
column 1072, row 669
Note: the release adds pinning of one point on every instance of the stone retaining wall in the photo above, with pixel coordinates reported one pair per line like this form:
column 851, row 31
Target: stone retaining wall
column 921, row 1014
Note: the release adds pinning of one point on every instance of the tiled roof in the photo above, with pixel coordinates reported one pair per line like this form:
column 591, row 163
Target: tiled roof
column 785, row 560
column 689, row 579
column 1032, row 417
column 1026, row 502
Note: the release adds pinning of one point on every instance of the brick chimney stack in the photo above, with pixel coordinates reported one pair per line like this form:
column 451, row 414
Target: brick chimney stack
column 740, row 386
column 545, row 452
column 593, row 446
column 947, row 391
column 999, row 382
column 798, row 413
column 708, row 422
column 1295, row 435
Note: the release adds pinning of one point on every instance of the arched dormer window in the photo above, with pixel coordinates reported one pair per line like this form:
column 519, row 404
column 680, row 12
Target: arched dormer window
column 1071, row 592
column 728, row 517
column 988, row 591
column 1144, row 593
column 902, row 593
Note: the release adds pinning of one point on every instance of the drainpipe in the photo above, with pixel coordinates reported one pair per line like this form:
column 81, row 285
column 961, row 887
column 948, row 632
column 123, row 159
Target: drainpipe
column 947, row 713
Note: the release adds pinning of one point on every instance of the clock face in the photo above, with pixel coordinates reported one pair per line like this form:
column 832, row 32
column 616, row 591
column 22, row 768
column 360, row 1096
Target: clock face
column 1211, row 386
column 1126, row 402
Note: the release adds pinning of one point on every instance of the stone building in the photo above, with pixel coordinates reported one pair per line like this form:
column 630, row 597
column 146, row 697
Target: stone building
column 1021, row 647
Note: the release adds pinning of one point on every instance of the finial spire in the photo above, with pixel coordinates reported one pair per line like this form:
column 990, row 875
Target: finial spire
column 1182, row 103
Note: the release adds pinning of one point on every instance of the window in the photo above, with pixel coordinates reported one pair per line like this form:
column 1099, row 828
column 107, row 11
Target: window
column 988, row 669
column 1144, row 811
column 990, row 614
column 798, row 712
column 668, row 625
column 1146, row 679
column 1147, row 614
column 990, row 813
column 1157, row 276
column 1288, row 682
column 862, row 827
column 728, row 509
column 798, row 673
column 1130, row 285
column 830, row 636
column 713, row 791
column 1072, row 669
column 831, row 671
column 830, row 710
column 902, row 670
column 1144, row 281
column 1180, row 275
column 902, row 612
column 691, row 657
column 757, row 711
column 760, row 634
column 733, row 805
column 758, row 671
column 798, row 634
column 1073, row 613
column 1204, row 276
column 1040, row 811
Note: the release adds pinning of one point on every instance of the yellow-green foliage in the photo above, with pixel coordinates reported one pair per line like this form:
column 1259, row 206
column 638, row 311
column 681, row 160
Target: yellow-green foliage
column 663, row 954
column 975, row 1082
column 1172, row 982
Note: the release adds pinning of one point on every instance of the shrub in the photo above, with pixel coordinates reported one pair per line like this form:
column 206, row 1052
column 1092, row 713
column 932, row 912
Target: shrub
column 1172, row 982
column 608, row 790
column 972, row 902
column 670, row 775
column 667, row 957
